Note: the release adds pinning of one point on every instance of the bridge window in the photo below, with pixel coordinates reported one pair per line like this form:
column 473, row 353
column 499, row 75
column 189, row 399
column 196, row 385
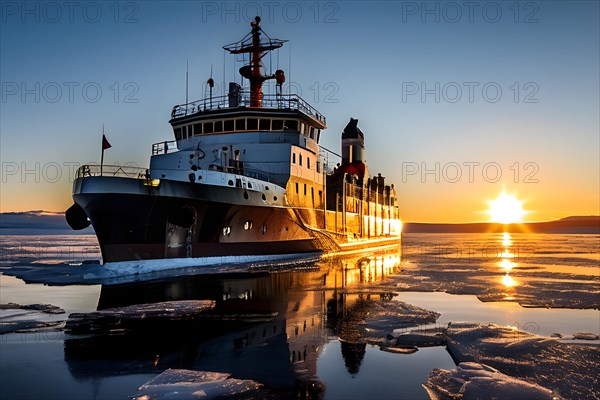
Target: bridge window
column 291, row 125
column 252, row 124
column 177, row 133
column 277, row 125
column 218, row 126
column 264, row 124
column 312, row 132
column 197, row 129
column 208, row 127
column 228, row 125
column 240, row 124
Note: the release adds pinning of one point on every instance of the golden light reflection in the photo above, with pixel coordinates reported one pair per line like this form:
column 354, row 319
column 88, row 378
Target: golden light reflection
column 506, row 241
column 506, row 209
column 508, row 281
column 506, row 254
column 506, row 263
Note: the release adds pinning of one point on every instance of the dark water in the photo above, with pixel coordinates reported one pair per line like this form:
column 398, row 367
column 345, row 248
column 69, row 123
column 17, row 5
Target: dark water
column 281, row 329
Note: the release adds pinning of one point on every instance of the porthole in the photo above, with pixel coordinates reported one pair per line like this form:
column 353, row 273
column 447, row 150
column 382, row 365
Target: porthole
column 248, row 225
column 246, row 195
column 274, row 198
column 264, row 197
column 264, row 229
column 266, row 188
column 230, row 183
column 227, row 231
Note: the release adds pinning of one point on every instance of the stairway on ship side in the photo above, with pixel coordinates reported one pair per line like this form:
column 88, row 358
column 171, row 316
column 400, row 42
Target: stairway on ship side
column 324, row 241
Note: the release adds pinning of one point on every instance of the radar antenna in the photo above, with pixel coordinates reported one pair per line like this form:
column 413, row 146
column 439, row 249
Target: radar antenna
column 257, row 47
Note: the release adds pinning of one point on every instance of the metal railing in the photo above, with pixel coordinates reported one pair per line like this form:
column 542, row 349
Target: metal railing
column 111, row 170
column 165, row 147
column 278, row 101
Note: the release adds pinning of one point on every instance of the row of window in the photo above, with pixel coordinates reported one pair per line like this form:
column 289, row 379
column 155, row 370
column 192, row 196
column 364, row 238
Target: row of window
column 312, row 190
column 246, row 124
column 307, row 161
column 248, row 225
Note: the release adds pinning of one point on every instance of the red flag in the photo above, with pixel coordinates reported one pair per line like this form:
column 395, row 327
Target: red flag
column 105, row 144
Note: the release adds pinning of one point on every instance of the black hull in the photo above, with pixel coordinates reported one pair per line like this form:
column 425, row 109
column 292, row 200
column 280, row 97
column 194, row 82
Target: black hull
column 183, row 220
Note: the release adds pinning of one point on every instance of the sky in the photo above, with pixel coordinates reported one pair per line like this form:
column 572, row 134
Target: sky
column 459, row 101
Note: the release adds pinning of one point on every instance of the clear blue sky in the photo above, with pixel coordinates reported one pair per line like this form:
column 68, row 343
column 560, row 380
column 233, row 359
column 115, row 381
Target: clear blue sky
column 421, row 77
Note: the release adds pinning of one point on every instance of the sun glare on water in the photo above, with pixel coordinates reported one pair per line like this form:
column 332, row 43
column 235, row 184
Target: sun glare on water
column 506, row 209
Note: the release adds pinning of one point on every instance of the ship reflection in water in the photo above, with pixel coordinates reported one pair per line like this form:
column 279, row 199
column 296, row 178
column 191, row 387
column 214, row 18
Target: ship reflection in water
column 266, row 327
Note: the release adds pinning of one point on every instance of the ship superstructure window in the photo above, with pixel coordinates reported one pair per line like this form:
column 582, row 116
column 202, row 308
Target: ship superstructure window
column 240, row 124
column 197, row 129
column 248, row 225
column 308, row 163
column 264, row 124
column 252, row 124
column 218, row 126
column 291, row 125
column 318, row 167
column 208, row 127
column 177, row 133
column 293, row 158
column 277, row 125
column 312, row 132
column 305, row 189
column 300, row 159
column 297, row 189
column 228, row 125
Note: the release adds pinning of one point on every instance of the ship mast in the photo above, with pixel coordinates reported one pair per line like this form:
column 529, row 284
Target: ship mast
column 257, row 48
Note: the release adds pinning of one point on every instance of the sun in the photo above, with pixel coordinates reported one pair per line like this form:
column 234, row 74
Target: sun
column 506, row 209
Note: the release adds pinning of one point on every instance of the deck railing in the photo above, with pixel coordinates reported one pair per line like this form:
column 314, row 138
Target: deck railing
column 165, row 147
column 277, row 101
column 111, row 170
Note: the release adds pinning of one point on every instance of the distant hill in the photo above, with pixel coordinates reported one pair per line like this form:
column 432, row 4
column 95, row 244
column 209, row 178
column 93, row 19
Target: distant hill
column 574, row 224
column 37, row 222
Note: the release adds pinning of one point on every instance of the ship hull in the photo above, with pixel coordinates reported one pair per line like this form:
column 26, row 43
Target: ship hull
column 136, row 221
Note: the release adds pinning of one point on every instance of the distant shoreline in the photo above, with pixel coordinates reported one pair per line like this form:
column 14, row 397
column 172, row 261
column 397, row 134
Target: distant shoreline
column 572, row 225
column 41, row 222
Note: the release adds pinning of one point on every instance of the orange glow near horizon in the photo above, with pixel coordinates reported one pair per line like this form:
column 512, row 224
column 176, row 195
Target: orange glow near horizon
column 506, row 209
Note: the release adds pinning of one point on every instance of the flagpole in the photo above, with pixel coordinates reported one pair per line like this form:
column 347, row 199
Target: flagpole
column 102, row 156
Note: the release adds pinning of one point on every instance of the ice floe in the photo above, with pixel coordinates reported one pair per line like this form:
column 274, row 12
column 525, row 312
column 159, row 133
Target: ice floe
column 92, row 272
column 120, row 318
column 187, row 384
column 525, row 356
column 17, row 318
column 471, row 380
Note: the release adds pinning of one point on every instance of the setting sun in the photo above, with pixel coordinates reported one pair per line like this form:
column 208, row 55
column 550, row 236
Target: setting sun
column 506, row 209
